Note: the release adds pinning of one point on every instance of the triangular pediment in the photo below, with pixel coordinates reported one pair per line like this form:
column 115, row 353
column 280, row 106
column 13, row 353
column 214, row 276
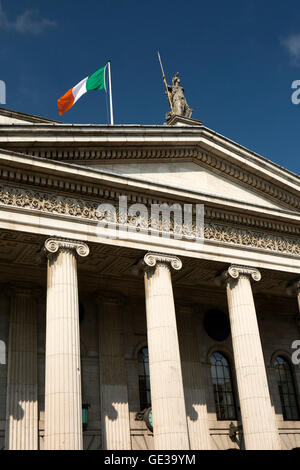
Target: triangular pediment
column 180, row 157
column 189, row 176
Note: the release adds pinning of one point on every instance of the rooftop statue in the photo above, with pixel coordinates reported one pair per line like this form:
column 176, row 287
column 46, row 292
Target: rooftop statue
column 179, row 105
column 176, row 98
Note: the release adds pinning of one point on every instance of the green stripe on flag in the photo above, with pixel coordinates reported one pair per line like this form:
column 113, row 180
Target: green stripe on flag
column 96, row 81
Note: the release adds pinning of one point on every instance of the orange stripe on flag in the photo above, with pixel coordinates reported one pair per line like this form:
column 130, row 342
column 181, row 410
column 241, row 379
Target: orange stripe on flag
column 65, row 102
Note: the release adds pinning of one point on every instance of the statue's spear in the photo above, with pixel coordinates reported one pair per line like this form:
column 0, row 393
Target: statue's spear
column 165, row 81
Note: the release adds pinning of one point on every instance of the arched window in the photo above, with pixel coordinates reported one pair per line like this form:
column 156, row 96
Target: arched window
column 223, row 387
column 144, row 379
column 286, row 388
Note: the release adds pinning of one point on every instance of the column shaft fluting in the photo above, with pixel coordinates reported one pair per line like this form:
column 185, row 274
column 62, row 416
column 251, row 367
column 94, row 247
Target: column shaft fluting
column 22, row 396
column 113, row 381
column 168, row 405
column 258, row 418
column 63, row 403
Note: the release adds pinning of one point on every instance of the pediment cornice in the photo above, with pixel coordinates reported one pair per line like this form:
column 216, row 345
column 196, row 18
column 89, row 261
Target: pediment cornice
column 287, row 193
column 24, row 117
column 61, row 180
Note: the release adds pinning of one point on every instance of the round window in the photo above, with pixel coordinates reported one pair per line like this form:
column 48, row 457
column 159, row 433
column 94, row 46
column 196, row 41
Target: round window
column 216, row 324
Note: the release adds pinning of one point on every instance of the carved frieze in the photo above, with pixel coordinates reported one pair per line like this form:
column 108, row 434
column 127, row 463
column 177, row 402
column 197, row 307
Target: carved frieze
column 88, row 209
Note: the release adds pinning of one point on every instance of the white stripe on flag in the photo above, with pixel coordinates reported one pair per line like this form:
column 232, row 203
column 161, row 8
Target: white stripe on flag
column 79, row 89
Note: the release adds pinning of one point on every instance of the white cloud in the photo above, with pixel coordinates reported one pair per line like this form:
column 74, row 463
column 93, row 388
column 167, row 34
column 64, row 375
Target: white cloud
column 28, row 22
column 292, row 43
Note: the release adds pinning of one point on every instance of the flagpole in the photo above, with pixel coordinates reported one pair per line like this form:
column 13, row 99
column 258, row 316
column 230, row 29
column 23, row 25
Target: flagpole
column 110, row 96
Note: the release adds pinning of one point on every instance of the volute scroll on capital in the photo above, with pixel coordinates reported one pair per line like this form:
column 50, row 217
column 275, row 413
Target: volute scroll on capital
column 234, row 271
column 53, row 245
column 152, row 259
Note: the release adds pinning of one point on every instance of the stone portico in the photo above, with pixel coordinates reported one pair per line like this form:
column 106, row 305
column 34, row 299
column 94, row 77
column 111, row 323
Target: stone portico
column 76, row 307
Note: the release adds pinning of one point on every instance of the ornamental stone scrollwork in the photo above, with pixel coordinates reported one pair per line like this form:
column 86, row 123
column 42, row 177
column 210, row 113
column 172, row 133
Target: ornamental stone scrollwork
column 88, row 210
column 152, row 259
column 53, row 245
column 248, row 237
column 235, row 271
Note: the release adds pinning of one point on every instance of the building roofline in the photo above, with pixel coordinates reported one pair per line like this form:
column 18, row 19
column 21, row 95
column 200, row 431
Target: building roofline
column 131, row 131
column 26, row 117
column 39, row 124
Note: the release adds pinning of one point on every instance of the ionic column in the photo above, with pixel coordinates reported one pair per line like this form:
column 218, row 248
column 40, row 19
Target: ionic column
column 113, row 382
column 63, row 404
column 168, row 405
column 259, row 426
column 22, row 396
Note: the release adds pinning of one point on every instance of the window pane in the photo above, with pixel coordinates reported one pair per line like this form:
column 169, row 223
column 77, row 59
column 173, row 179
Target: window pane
column 286, row 389
column 223, row 390
column 144, row 379
column 141, row 368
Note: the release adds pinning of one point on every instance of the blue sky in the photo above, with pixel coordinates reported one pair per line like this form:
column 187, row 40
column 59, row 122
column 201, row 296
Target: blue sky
column 237, row 61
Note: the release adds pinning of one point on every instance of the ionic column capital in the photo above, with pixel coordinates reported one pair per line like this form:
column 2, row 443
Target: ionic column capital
column 235, row 271
column 153, row 259
column 53, row 245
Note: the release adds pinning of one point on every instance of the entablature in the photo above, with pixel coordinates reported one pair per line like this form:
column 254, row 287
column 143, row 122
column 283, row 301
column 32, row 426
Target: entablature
column 56, row 198
column 90, row 144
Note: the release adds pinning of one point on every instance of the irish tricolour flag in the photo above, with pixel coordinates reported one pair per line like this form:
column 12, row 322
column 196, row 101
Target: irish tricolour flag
column 96, row 81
